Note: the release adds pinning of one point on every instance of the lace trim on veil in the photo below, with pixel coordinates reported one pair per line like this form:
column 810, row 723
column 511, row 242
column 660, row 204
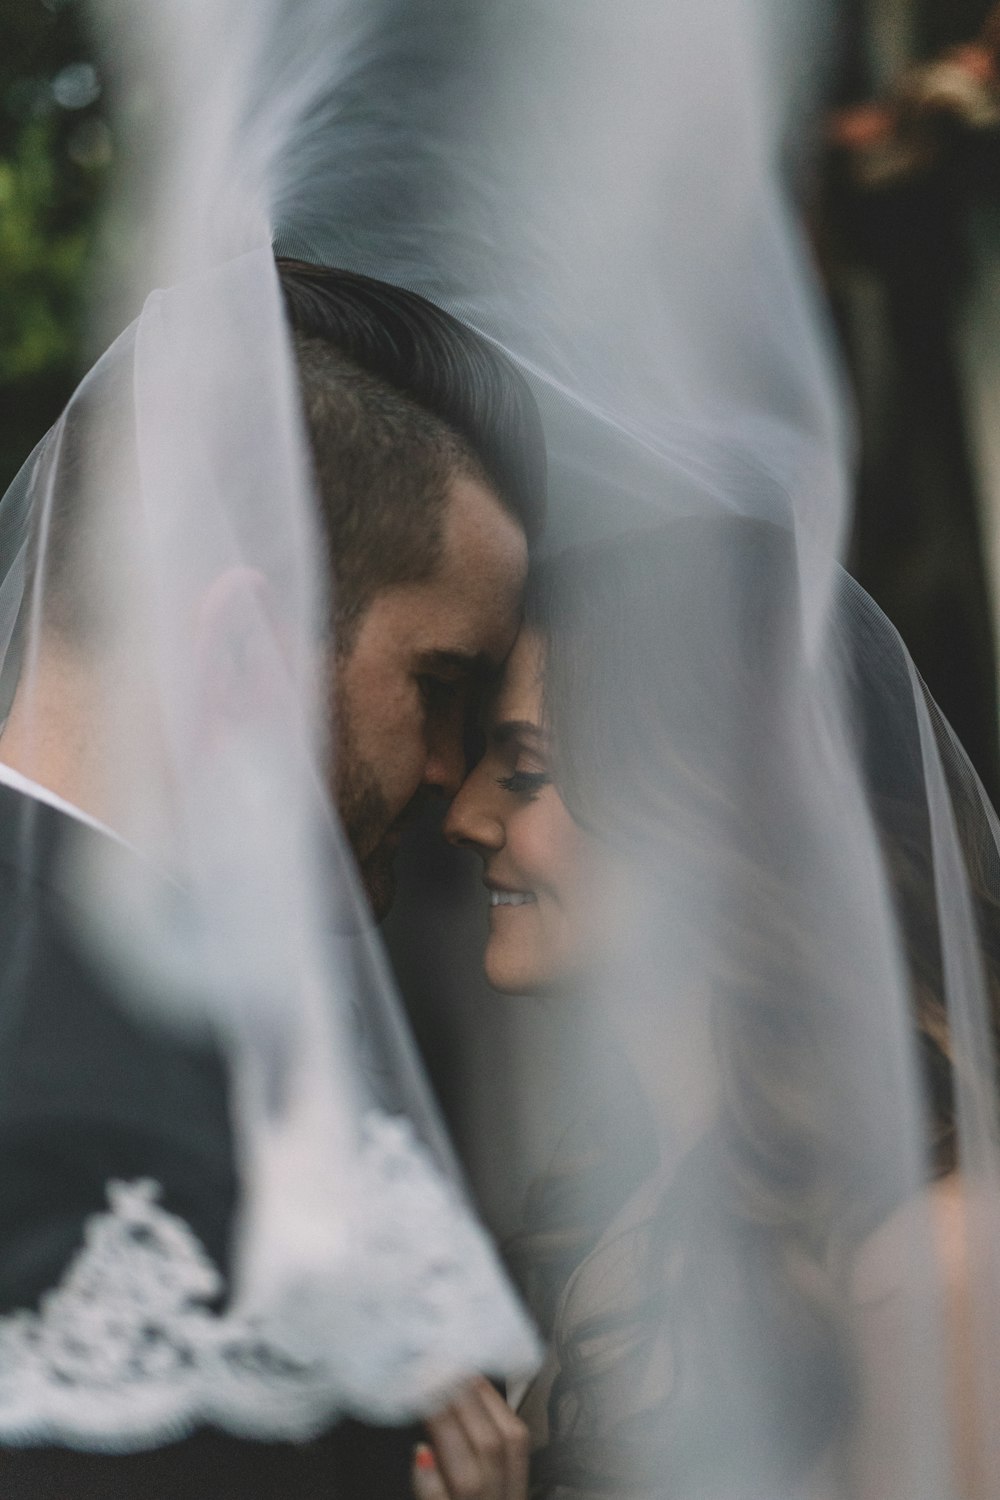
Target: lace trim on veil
column 127, row 1351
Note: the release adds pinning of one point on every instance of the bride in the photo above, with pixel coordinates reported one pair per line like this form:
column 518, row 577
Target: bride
column 734, row 1271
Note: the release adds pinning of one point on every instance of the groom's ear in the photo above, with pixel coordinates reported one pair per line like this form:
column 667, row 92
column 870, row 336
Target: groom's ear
column 241, row 651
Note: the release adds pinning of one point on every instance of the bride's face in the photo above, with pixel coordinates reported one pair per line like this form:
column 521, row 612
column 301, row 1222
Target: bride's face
column 539, row 867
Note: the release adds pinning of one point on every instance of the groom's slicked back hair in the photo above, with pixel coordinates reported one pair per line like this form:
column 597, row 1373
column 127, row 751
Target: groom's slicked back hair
column 399, row 398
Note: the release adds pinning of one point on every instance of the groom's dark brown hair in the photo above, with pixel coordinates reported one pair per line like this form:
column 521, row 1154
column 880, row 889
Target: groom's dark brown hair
column 398, row 398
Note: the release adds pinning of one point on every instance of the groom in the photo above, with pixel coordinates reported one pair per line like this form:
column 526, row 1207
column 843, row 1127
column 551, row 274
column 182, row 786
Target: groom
column 429, row 471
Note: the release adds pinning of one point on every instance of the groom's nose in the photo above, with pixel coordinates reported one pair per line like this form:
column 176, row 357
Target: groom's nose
column 445, row 765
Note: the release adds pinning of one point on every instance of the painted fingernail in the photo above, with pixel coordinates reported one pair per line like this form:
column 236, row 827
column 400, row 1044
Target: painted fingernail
column 423, row 1457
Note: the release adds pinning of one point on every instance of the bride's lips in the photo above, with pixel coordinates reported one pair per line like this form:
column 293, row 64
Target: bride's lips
column 506, row 895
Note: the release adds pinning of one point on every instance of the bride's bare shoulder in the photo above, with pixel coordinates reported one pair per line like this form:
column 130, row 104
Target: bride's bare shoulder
column 927, row 1236
column 913, row 1291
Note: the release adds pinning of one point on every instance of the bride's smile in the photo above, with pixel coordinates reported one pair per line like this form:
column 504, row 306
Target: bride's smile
column 501, row 897
column 539, row 867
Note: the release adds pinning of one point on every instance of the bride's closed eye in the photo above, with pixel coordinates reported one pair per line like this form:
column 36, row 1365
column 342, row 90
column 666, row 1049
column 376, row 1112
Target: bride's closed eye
column 524, row 783
column 518, row 747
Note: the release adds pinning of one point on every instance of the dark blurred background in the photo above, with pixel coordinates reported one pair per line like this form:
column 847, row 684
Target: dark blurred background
column 56, row 152
column 907, row 226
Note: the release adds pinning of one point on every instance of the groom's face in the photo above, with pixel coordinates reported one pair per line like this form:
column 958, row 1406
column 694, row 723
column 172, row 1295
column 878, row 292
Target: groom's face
column 415, row 663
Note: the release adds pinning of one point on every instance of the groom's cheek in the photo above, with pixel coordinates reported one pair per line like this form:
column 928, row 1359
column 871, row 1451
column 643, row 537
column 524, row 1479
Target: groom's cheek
column 473, row 740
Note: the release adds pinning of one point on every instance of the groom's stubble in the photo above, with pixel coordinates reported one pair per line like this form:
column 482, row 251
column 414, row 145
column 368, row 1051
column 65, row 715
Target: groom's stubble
column 365, row 814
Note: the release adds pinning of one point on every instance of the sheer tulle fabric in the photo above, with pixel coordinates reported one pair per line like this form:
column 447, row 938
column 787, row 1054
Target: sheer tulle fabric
column 754, row 1275
column 803, row 906
column 173, row 543
column 805, row 947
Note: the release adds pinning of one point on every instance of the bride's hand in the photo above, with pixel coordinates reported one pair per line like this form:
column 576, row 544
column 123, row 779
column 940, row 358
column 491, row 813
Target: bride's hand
column 477, row 1450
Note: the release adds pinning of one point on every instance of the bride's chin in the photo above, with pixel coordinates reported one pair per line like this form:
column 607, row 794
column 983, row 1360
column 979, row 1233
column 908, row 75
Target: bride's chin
column 502, row 982
column 506, row 973
column 511, row 974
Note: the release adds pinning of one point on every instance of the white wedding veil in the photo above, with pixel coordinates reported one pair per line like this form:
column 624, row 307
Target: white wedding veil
column 165, row 561
column 749, row 1267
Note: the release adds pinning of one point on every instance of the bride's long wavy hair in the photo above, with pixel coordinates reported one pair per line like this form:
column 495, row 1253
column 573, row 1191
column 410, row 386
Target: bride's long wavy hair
column 668, row 656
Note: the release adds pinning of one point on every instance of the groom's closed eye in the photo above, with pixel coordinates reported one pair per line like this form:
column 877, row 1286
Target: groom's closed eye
column 444, row 676
column 439, row 691
column 455, row 666
column 449, row 676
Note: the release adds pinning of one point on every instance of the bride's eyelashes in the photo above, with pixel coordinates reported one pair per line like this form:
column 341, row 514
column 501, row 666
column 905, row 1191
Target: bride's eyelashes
column 524, row 783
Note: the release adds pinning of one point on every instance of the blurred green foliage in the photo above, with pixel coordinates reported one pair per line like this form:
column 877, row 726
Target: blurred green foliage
column 55, row 153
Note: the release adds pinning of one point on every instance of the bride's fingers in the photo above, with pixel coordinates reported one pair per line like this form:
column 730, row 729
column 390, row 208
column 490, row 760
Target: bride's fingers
column 514, row 1438
column 425, row 1477
column 497, row 1438
column 469, row 1472
column 478, row 1450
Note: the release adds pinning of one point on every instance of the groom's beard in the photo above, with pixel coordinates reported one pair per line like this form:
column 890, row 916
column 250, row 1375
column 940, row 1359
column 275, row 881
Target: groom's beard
column 367, row 822
column 367, row 819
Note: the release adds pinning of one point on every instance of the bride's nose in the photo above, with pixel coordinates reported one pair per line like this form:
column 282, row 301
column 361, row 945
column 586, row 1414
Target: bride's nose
column 472, row 821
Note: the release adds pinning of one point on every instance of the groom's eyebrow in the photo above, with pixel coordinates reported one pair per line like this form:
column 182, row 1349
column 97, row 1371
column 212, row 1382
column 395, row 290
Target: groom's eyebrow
column 474, row 665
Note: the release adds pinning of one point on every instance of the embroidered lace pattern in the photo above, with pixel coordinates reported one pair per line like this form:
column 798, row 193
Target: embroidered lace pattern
column 129, row 1351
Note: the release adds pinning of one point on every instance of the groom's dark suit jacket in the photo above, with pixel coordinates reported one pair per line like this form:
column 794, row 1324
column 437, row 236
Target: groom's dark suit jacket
column 90, row 1092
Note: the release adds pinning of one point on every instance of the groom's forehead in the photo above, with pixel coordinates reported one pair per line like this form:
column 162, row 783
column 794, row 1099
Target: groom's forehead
column 482, row 540
column 462, row 634
column 463, row 617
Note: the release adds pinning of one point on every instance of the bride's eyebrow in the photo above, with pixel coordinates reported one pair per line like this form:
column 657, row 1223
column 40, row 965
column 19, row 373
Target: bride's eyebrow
column 513, row 729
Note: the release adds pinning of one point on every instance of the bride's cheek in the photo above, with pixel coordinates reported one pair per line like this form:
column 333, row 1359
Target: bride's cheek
column 552, row 844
